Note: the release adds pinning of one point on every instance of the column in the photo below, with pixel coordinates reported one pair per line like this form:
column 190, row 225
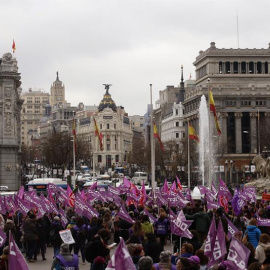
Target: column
column 253, row 132
column 224, row 134
column 263, row 67
column 255, row 68
column 231, row 68
column 238, row 132
column 247, row 67
column 239, row 68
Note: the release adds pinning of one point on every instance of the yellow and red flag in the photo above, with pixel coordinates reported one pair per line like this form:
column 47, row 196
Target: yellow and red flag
column 192, row 134
column 213, row 109
column 13, row 46
column 157, row 136
column 99, row 134
column 74, row 135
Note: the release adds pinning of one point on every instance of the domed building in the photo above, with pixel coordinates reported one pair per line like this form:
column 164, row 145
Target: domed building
column 115, row 127
column 114, row 145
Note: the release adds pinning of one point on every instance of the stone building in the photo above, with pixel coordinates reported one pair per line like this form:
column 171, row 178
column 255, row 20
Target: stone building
column 240, row 83
column 33, row 110
column 115, row 126
column 10, row 111
column 57, row 92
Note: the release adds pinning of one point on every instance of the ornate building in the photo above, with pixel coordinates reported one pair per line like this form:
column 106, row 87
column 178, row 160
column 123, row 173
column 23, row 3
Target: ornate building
column 116, row 130
column 240, row 82
column 57, row 92
column 10, row 110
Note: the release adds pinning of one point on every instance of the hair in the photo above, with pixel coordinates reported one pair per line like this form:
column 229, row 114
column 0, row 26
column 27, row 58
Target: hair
column 165, row 256
column 253, row 221
column 203, row 259
column 264, row 238
column 79, row 221
column 107, row 217
column 138, row 228
column 64, row 248
column 104, row 234
column 134, row 239
column 145, row 263
column 188, row 247
column 145, row 218
column 255, row 266
column 162, row 216
column 186, row 264
column 6, row 250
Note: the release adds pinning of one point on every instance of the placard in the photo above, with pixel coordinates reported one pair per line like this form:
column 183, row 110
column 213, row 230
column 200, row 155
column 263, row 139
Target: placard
column 66, row 236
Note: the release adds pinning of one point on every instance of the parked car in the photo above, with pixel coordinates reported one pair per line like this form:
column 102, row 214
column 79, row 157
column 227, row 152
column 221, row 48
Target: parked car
column 139, row 178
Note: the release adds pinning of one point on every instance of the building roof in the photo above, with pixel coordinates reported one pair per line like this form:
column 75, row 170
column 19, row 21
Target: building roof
column 107, row 101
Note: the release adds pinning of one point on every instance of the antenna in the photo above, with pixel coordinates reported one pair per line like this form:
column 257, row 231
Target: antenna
column 237, row 28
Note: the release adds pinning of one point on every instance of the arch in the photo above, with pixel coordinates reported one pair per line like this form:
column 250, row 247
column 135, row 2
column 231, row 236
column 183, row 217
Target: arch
column 259, row 67
column 220, row 70
column 227, row 67
column 251, row 67
column 266, row 67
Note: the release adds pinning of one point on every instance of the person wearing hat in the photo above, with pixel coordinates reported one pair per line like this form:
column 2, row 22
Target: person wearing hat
column 55, row 238
column 71, row 226
column 165, row 261
column 195, row 262
column 65, row 260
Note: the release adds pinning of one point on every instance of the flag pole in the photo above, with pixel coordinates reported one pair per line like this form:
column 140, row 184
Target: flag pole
column 188, row 158
column 259, row 140
column 94, row 150
column 209, row 138
column 74, row 162
column 152, row 147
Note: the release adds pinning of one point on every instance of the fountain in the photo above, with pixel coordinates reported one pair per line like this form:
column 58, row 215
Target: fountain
column 205, row 155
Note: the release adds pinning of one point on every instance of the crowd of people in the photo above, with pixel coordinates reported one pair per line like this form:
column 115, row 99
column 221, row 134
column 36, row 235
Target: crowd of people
column 146, row 241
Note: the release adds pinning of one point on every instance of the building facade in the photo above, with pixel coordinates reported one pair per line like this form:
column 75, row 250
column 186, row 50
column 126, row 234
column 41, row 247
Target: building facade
column 33, row 110
column 10, row 118
column 240, row 83
column 57, row 94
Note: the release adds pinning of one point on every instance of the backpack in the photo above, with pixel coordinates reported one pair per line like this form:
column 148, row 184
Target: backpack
column 91, row 251
column 52, row 235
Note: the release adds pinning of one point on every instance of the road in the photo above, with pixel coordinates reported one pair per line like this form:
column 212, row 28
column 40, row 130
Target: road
column 46, row 265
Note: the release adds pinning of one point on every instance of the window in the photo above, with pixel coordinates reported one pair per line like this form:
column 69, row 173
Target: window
column 114, row 125
column 176, row 135
column 184, row 134
column 177, row 124
column 108, row 126
column 108, row 138
column 100, row 126
column 176, row 111
column 99, row 158
column 116, row 158
column 108, row 147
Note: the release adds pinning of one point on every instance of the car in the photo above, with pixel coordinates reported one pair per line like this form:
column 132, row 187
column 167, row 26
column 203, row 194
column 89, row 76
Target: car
column 139, row 178
column 4, row 188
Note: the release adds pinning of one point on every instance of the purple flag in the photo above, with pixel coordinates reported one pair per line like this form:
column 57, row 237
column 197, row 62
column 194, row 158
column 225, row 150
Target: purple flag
column 203, row 189
column 16, row 259
column 121, row 259
column 219, row 248
column 3, row 238
column 263, row 222
column 20, row 192
column 237, row 203
column 238, row 255
column 151, row 217
column 181, row 226
column 212, row 205
column 213, row 189
column 79, row 207
column 231, row 229
column 210, row 240
column 63, row 217
column 124, row 215
column 223, row 190
column 23, row 207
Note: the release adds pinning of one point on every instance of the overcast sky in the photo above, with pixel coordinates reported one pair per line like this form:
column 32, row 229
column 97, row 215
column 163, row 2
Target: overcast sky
column 127, row 43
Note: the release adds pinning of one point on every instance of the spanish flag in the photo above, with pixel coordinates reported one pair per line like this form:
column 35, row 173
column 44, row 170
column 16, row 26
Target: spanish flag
column 98, row 133
column 74, row 135
column 192, row 134
column 213, row 109
column 13, row 46
column 157, row 136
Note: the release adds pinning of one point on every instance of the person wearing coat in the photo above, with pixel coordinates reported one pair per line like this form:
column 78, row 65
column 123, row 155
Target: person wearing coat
column 263, row 248
column 253, row 233
column 30, row 236
column 57, row 227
